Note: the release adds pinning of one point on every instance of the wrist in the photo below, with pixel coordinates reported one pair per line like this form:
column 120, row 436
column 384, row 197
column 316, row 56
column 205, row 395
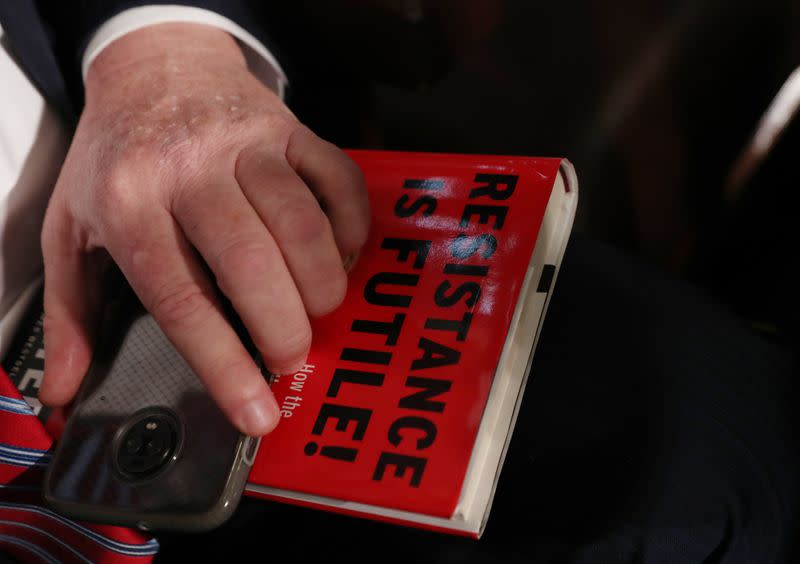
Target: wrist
column 162, row 49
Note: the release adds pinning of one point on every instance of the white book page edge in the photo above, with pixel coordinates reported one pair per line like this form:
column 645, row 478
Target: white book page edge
column 515, row 363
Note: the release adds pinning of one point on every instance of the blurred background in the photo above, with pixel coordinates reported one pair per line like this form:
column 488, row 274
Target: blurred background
column 656, row 104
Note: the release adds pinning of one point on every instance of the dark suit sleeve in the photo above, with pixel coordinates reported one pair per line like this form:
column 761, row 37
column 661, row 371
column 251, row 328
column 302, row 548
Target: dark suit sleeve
column 70, row 26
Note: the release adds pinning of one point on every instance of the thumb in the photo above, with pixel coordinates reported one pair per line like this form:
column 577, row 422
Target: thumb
column 69, row 293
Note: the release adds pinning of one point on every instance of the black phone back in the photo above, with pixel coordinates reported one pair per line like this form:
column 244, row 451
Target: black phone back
column 146, row 446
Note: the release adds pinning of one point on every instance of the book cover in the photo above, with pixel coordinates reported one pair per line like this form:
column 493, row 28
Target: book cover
column 383, row 419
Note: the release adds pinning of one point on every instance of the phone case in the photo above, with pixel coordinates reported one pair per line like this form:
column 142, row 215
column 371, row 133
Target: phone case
column 111, row 464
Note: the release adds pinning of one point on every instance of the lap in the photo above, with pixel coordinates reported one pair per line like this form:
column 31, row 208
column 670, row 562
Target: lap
column 656, row 427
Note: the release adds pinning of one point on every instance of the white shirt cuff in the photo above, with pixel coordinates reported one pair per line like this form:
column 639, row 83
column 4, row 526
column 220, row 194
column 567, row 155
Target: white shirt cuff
column 259, row 60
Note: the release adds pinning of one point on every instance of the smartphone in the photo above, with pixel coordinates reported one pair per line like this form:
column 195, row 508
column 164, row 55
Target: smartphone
column 145, row 446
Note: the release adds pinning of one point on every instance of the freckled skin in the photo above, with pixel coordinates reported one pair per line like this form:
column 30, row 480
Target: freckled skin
column 182, row 157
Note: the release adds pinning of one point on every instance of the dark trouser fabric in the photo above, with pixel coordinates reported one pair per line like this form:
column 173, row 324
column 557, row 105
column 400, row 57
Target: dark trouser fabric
column 656, row 428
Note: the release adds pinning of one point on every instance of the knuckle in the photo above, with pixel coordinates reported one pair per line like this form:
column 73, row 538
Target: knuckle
column 352, row 175
column 359, row 233
column 294, row 345
column 294, row 144
column 331, row 295
column 249, row 162
column 351, row 235
column 116, row 193
column 181, row 304
column 240, row 262
column 300, row 223
column 297, row 342
column 284, row 124
column 228, row 364
column 142, row 174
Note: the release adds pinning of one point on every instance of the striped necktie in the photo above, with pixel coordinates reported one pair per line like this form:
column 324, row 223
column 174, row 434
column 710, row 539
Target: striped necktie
column 30, row 531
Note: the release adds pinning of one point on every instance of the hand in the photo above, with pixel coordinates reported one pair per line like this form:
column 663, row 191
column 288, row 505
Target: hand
column 182, row 157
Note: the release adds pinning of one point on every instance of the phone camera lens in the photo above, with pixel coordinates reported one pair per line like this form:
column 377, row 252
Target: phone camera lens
column 133, row 445
column 153, row 447
column 146, row 444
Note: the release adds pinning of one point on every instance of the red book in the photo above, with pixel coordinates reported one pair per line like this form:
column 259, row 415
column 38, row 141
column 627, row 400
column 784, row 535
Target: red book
column 405, row 407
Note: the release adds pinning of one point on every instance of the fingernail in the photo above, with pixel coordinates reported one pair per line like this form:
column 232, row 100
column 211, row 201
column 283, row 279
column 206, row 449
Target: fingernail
column 259, row 416
column 350, row 261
